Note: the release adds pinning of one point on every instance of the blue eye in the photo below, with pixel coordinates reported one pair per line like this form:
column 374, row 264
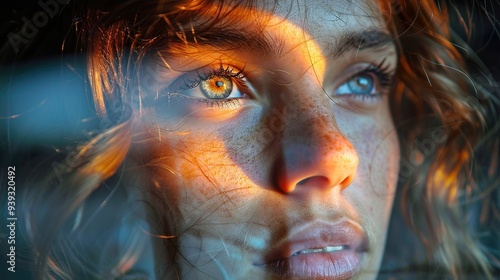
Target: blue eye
column 363, row 84
column 370, row 82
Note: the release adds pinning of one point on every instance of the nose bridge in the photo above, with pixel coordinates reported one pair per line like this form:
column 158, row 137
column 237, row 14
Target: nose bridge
column 314, row 153
column 308, row 112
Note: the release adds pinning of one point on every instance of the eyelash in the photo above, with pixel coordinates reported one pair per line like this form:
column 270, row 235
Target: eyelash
column 227, row 72
column 382, row 72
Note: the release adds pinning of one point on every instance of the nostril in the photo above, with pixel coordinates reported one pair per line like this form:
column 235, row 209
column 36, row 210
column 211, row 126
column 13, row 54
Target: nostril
column 314, row 181
column 302, row 182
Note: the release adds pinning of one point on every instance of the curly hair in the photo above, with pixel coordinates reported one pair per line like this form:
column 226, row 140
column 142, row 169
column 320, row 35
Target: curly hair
column 438, row 92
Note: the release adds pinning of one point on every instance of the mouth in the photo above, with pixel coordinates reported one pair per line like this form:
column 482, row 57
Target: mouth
column 318, row 251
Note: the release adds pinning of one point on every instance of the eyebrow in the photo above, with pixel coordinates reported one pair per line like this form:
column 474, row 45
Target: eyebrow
column 258, row 43
column 360, row 40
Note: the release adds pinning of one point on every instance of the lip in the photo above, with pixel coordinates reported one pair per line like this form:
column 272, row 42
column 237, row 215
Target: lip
column 282, row 259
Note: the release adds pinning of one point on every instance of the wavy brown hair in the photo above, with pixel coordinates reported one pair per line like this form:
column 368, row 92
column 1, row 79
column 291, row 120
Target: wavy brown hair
column 438, row 93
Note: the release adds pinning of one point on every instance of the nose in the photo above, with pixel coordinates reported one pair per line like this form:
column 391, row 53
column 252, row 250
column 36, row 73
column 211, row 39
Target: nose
column 314, row 153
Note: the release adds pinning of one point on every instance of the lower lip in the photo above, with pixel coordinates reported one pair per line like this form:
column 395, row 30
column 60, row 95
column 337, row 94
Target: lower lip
column 337, row 265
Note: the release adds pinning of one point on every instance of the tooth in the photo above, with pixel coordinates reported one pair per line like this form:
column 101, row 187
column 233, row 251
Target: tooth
column 327, row 249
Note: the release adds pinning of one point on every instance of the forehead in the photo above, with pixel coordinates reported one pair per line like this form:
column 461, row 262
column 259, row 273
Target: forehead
column 315, row 15
column 275, row 25
column 322, row 18
column 321, row 23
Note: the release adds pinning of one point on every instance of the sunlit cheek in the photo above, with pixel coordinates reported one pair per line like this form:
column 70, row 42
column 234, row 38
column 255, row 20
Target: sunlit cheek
column 226, row 197
column 200, row 175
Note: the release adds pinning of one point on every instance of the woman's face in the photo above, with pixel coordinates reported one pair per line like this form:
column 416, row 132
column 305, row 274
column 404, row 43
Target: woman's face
column 271, row 144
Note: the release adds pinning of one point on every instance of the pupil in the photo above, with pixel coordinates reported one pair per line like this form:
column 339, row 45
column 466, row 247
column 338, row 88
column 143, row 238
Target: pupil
column 363, row 82
column 219, row 84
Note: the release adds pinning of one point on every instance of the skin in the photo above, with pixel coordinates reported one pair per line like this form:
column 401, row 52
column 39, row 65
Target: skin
column 229, row 181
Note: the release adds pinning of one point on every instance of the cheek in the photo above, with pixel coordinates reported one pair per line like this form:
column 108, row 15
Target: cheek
column 379, row 161
column 377, row 183
column 375, row 140
column 194, row 174
column 374, row 187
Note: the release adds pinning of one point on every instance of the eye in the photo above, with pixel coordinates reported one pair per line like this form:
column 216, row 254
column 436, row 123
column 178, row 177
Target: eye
column 369, row 82
column 361, row 84
column 213, row 86
column 217, row 87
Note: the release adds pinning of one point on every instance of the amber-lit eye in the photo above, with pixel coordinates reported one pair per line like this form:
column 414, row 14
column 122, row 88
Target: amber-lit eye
column 216, row 87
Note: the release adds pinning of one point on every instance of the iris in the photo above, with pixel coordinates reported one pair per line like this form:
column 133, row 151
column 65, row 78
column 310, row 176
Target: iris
column 362, row 84
column 216, row 87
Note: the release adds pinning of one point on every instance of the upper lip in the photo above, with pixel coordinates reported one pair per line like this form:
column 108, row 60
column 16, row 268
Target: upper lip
column 316, row 235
